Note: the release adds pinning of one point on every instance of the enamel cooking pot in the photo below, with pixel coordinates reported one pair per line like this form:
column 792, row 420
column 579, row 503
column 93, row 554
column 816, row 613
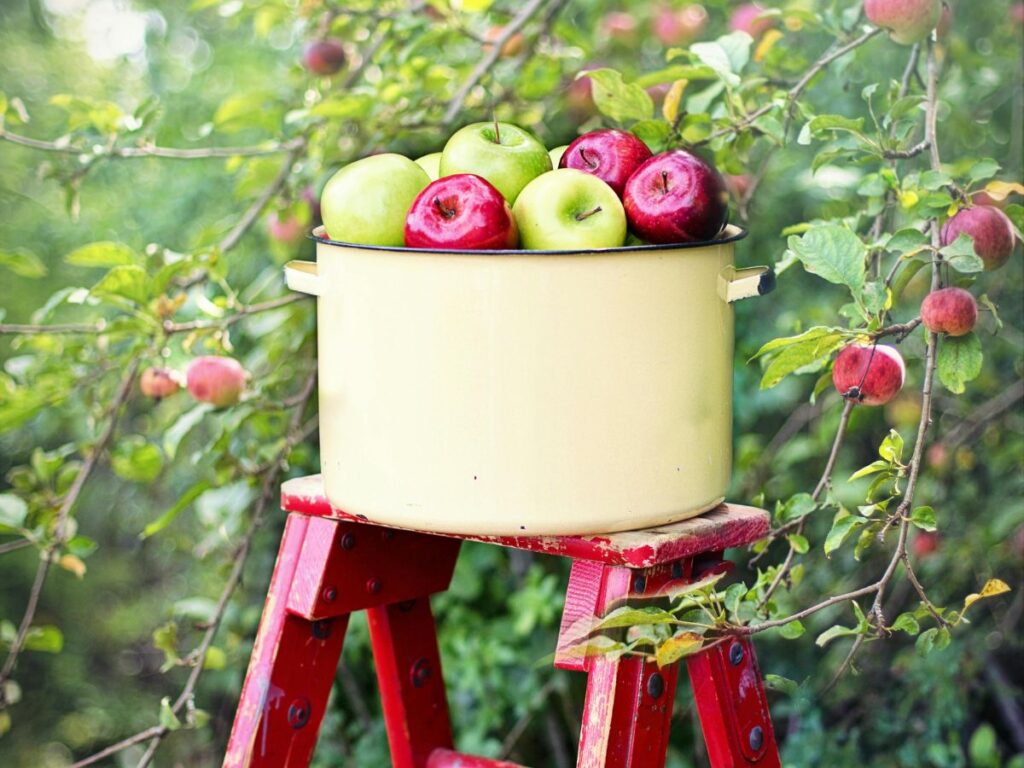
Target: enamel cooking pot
column 526, row 392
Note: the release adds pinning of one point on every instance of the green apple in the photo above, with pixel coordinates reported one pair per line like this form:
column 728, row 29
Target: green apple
column 556, row 154
column 504, row 154
column 431, row 164
column 566, row 210
column 366, row 201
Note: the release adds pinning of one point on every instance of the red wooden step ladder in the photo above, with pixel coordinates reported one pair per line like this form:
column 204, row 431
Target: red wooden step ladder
column 331, row 564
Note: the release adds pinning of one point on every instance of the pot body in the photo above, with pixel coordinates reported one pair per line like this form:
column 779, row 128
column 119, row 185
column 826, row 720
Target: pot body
column 524, row 393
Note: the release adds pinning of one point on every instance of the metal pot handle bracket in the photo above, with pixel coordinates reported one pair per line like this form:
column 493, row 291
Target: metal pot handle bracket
column 735, row 284
column 302, row 276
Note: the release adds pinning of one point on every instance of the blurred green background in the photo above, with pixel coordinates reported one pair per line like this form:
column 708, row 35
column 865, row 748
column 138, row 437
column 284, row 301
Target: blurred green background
column 229, row 73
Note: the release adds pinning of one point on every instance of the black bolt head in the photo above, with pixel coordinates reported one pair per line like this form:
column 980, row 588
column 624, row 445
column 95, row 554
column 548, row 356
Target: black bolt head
column 639, row 584
column 298, row 713
column 735, row 654
column 348, row 541
column 655, row 685
column 321, row 629
column 756, row 737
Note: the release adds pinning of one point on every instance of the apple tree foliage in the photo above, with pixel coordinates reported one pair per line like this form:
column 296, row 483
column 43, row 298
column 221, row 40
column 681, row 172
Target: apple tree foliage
column 152, row 154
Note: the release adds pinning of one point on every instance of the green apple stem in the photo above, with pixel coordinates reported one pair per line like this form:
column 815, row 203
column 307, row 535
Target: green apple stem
column 497, row 131
column 587, row 214
column 444, row 210
column 590, row 163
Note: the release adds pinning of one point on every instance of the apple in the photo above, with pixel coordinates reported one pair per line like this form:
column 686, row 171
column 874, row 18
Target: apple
column 745, row 19
column 869, row 374
column 620, row 26
column 504, row 154
column 1017, row 14
column 924, row 544
column 159, row 382
column 609, row 154
column 366, row 201
column 556, row 154
column 952, row 311
column 324, row 57
column 991, row 229
column 461, row 212
column 982, row 197
column 678, row 27
column 568, row 209
column 676, row 197
column 579, row 98
column 938, row 457
column 908, row 21
column 431, row 164
column 216, row 380
column 738, row 184
column 287, row 229
column 512, row 47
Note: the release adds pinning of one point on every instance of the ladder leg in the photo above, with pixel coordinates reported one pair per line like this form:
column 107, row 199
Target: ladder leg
column 411, row 684
column 290, row 673
column 731, row 703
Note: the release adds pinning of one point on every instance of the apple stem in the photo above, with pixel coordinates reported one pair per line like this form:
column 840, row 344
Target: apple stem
column 497, row 131
column 444, row 210
column 664, row 180
column 587, row 214
column 590, row 163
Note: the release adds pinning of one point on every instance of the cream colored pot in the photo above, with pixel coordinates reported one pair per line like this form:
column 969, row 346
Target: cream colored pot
column 526, row 392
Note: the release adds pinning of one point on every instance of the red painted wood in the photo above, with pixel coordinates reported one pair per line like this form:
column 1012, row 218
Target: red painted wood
column 348, row 567
column 730, row 698
column 411, row 684
column 728, row 525
column 290, row 674
column 446, row 758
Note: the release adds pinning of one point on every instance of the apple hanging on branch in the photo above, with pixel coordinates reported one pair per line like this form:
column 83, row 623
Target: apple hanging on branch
column 869, row 374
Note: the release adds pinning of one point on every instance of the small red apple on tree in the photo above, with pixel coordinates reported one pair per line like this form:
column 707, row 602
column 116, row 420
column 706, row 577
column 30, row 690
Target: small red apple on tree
column 925, row 544
column 217, row 380
column 908, row 21
column 619, row 25
column 679, row 26
column 159, row 383
column 952, row 311
column 869, row 374
column 324, row 57
column 286, row 228
column 991, row 229
column 745, row 19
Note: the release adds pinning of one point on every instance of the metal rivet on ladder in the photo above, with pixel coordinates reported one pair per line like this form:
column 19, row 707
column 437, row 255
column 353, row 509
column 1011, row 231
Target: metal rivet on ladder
column 298, row 713
column 321, row 629
column 756, row 737
column 655, row 685
column 420, row 672
column 735, row 654
column 329, row 594
column 373, row 586
column 639, row 584
column 677, row 569
column 348, row 541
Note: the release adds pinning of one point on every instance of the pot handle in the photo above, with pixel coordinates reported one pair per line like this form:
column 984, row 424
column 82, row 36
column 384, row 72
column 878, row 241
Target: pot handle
column 735, row 284
column 302, row 276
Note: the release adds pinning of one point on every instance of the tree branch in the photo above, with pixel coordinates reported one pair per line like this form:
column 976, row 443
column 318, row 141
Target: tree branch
column 241, row 313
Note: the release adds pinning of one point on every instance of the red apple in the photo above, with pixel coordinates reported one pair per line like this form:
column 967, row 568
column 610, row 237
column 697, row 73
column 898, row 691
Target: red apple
column 981, row 197
column 511, row 47
column 1017, row 14
column 745, row 19
column 216, row 380
column 678, row 27
column 609, row 154
column 738, row 184
column 461, row 212
column 287, row 230
column 159, row 382
column 579, row 98
column 324, row 57
column 949, row 310
column 924, row 544
column 676, row 197
column 938, row 457
column 908, row 21
column 870, row 374
column 991, row 229
column 620, row 26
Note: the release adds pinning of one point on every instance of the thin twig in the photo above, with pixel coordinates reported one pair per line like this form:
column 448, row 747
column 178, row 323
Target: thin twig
column 242, row 312
column 903, row 154
column 14, row 546
column 25, row 329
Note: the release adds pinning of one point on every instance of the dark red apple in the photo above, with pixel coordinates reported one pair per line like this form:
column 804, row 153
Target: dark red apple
column 745, row 19
column 324, row 57
column 991, row 229
column 609, row 154
column 924, row 544
column 159, row 382
column 949, row 310
column 461, row 212
column 676, row 197
column 869, row 374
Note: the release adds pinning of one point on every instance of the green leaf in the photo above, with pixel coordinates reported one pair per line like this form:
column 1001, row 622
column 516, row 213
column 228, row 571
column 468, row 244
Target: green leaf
column 799, row 352
column 781, row 684
column 891, row 449
column 983, row 748
column 960, row 255
column 716, row 57
column 617, row 99
column 834, row 253
column 348, row 106
column 167, row 517
column 23, row 263
column 629, row 617
column 870, row 469
column 599, row 645
column 46, row 639
column 823, row 123
column 215, row 658
column 924, row 518
column 906, row 622
column 799, row 543
column 832, row 633
column 13, row 510
column 184, row 424
column 103, row 254
column 843, row 524
column 959, row 361
column 127, row 281
column 678, row 646
column 906, row 240
column 168, row 719
column 796, row 506
column 165, row 638
column 983, row 169
column 653, row 133
column 926, row 641
column 792, row 630
column 137, row 460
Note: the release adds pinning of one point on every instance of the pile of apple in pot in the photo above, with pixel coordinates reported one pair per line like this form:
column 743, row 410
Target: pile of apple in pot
column 495, row 187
